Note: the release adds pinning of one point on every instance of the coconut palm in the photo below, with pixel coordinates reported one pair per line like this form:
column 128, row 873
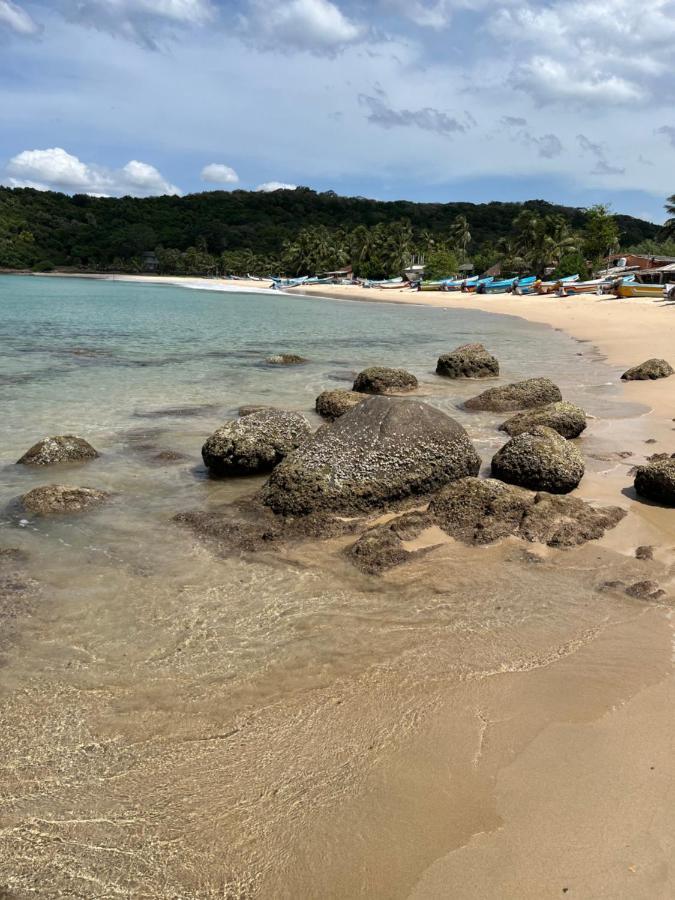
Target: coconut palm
column 669, row 224
column 460, row 235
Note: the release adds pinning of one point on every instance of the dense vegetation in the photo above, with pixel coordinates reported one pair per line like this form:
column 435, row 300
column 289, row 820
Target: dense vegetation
column 300, row 232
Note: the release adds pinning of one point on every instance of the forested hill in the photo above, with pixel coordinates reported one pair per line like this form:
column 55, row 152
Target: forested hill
column 46, row 228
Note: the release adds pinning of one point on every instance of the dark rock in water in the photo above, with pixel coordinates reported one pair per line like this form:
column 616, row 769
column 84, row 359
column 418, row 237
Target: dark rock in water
column 645, row 590
column 178, row 412
column 167, row 457
column 651, row 441
column 286, row 359
column 520, row 395
column 381, row 548
column 249, row 410
column 333, row 404
column 382, row 380
column 382, row 451
column 254, row 443
column 656, row 481
column 62, row 448
column 649, row 370
column 12, row 556
column 468, row 361
column 541, row 460
column 256, row 528
column 53, row 499
column 481, row 511
column 565, row 418
column 644, row 552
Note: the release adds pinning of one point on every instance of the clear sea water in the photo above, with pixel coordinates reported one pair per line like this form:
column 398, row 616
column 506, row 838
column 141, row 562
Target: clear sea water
column 141, row 643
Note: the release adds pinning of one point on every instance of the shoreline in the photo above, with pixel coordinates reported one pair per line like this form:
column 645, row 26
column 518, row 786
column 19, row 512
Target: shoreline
column 536, row 774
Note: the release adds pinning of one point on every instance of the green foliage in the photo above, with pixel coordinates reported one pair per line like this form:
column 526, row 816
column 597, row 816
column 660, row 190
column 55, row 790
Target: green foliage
column 600, row 234
column 440, row 264
column 238, row 231
column 572, row 263
column 654, row 248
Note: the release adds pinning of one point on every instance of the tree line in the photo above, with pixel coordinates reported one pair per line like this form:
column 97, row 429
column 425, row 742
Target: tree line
column 301, row 232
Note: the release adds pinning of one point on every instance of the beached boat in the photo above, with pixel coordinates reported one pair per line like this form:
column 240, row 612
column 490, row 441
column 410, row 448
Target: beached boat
column 474, row 287
column 633, row 289
column 283, row 283
column 595, row 286
column 504, row 285
column 387, row 283
column 548, row 287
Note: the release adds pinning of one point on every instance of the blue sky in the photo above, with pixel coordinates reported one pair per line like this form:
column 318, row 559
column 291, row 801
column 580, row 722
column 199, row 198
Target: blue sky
column 418, row 99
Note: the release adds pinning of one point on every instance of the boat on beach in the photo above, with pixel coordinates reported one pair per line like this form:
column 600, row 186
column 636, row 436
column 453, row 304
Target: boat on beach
column 633, row 289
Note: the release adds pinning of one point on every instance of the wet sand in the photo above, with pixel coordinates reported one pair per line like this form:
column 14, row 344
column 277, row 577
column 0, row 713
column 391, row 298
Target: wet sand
column 529, row 756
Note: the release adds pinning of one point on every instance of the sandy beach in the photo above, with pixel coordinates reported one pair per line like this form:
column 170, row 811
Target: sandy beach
column 548, row 774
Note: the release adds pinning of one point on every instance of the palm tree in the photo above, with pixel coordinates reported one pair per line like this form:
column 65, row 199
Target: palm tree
column 460, row 235
column 669, row 224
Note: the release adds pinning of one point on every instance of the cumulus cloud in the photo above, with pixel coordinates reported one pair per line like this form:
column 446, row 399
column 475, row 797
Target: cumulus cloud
column 317, row 26
column 16, row 19
column 56, row 169
column 142, row 21
column 573, row 51
column 428, row 118
column 269, row 186
column 513, row 121
column 217, row 173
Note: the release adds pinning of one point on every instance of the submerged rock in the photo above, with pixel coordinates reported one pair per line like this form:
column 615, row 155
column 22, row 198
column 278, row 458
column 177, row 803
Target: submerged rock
column 645, row 590
column 649, row 370
column 481, row 511
column 62, row 448
column 382, row 548
column 565, row 418
column 382, row 380
column 286, row 359
column 656, row 481
column 541, row 460
column 333, row 404
column 52, row 499
column 249, row 410
column 644, row 552
column 254, row 443
column 381, row 451
column 520, row 395
column 468, row 361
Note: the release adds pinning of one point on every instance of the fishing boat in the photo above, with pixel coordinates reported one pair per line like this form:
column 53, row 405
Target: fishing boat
column 474, row 287
column 548, row 287
column 504, row 285
column 633, row 289
column 595, row 286
column 283, row 283
column 390, row 283
column 469, row 284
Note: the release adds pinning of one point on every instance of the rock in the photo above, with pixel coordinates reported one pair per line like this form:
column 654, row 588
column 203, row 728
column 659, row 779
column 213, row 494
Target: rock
column 62, row 448
column 480, row 510
column 286, row 359
column 656, row 481
column 54, row 499
column 483, row 510
column 649, row 371
column 254, row 443
column 381, row 380
column 383, row 450
column 333, row 404
column 541, row 460
column 565, row 418
column 382, row 548
column 644, row 552
column 521, row 395
column 645, row 590
column 468, row 361
column 253, row 527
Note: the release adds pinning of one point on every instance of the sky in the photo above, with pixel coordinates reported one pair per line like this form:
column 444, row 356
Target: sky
column 432, row 100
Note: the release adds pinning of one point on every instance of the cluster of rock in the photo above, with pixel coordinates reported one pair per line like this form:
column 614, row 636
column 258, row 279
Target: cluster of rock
column 540, row 459
column 649, row 370
column 333, row 404
column 63, row 448
column 565, row 418
column 517, row 396
column 286, row 359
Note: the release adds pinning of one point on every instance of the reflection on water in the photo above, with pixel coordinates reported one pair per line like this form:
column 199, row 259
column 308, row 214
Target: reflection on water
column 185, row 709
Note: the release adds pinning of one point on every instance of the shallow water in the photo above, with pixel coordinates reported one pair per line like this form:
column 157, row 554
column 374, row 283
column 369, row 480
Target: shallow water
column 139, row 652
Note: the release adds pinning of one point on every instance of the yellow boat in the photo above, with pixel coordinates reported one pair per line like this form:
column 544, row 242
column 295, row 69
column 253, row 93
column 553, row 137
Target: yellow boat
column 640, row 290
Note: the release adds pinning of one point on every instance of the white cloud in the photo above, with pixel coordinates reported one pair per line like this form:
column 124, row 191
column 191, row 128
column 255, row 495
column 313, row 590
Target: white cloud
column 270, row 186
column 56, row 169
column 143, row 21
column 317, row 26
column 548, row 80
column 16, row 18
column 217, row 173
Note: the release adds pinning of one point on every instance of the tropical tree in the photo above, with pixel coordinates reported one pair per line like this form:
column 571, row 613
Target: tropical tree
column 601, row 233
column 460, row 235
column 669, row 224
